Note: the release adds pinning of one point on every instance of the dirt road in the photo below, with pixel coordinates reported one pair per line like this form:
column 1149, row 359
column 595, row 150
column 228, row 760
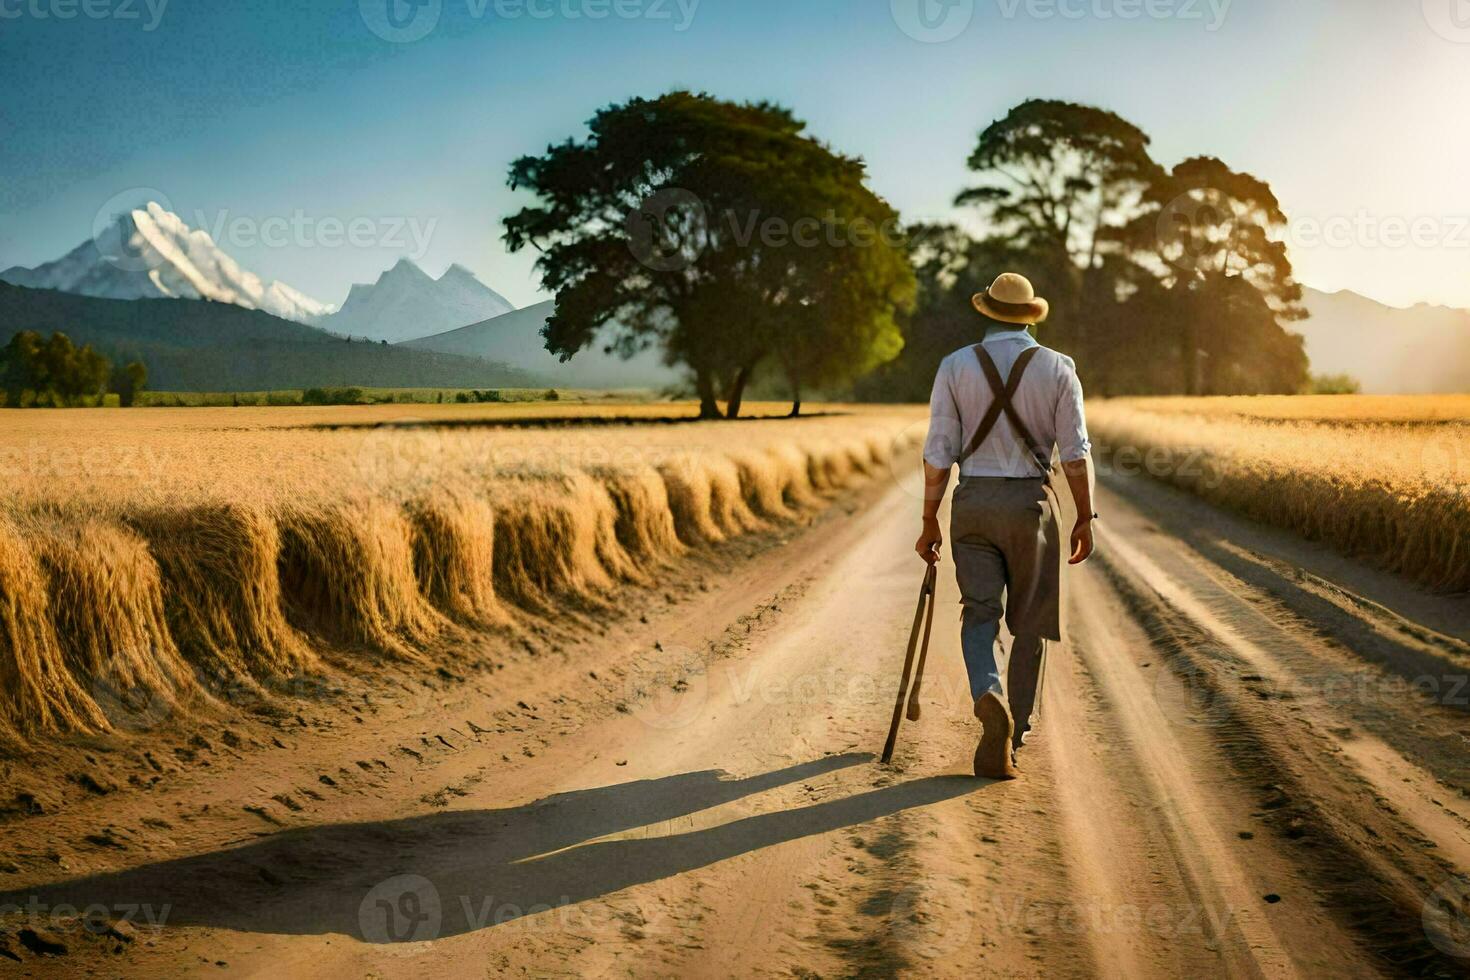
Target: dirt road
column 1247, row 766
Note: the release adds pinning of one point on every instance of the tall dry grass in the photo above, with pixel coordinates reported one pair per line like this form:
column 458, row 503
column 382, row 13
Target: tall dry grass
column 159, row 562
column 1384, row 479
column 38, row 690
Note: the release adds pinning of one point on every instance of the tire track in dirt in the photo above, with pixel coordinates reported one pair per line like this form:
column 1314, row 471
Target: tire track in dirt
column 1370, row 845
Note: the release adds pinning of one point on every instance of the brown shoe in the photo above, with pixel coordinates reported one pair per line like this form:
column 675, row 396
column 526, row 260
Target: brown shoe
column 993, row 756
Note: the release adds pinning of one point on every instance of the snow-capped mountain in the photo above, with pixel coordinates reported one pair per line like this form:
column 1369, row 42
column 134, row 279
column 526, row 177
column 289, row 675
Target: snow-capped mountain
column 406, row 303
column 151, row 253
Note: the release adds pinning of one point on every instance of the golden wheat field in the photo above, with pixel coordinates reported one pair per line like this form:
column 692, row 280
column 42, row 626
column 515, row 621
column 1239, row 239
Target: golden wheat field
column 1382, row 478
column 156, row 555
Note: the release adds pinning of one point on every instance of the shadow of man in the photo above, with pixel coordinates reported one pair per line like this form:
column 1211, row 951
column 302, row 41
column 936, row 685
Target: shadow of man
column 441, row 875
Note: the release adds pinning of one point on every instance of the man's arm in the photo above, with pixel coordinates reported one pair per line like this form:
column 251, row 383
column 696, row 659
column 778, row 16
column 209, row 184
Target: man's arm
column 1079, row 480
column 941, row 451
column 936, row 482
column 1076, row 449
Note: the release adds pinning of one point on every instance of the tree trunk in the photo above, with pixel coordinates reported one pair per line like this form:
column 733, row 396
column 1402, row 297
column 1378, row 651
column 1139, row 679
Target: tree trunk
column 704, row 384
column 796, row 407
column 1189, row 361
column 737, row 392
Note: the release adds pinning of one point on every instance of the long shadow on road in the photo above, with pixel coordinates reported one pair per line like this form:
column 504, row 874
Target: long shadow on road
column 446, row 874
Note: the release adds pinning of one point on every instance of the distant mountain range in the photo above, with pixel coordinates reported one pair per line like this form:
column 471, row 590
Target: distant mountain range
column 1421, row 350
column 406, row 303
column 150, row 253
column 454, row 331
column 195, row 345
column 515, row 338
column 246, row 332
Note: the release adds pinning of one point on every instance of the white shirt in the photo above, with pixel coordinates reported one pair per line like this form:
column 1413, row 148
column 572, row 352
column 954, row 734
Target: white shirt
column 1049, row 401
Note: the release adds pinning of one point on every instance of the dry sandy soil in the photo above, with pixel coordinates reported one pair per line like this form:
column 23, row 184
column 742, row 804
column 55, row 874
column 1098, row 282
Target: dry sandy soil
column 1252, row 762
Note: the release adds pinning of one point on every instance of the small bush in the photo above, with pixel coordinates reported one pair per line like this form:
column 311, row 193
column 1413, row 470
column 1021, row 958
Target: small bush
column 492, row 395
column 1335, row 384
column 332, row 396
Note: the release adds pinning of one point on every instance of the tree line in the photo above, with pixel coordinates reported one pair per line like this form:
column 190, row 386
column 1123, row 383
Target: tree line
column 1162, row 281
column 726, row 236
column 56, row 373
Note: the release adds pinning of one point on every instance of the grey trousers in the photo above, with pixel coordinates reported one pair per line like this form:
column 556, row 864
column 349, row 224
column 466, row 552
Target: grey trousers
column 1007, row 550
column 1014, row 675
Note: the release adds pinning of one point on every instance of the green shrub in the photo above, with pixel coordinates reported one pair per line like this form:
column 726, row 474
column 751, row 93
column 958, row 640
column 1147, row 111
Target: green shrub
column 332, row 396
column 1335, row 384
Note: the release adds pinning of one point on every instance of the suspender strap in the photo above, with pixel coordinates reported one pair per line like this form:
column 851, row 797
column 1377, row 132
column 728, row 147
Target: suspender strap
column 1005, row 392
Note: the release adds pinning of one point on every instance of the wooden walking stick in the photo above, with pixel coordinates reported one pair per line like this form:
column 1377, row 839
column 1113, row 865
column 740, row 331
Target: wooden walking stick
column 930, row 582
column 926, row 602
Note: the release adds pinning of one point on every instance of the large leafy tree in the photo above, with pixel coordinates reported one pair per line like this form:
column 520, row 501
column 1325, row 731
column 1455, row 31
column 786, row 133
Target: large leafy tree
column 1058, row 183
column 1160, row 281
column 718, row 232
column 1212, row 239
column 54, row 368
column 1209, row 221
column 841, row 303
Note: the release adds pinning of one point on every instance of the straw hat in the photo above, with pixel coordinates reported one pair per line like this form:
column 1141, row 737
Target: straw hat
column 1010, row 299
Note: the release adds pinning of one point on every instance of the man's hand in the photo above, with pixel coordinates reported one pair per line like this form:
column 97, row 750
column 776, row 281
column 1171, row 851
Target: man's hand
column 1079, row 481
column 1081, row 542
column 930, row 541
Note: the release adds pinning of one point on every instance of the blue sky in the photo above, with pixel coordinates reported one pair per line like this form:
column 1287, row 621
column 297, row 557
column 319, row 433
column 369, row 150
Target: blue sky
column 293, row 121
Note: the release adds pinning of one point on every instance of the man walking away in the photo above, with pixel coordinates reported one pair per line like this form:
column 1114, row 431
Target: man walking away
column 999, row 410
